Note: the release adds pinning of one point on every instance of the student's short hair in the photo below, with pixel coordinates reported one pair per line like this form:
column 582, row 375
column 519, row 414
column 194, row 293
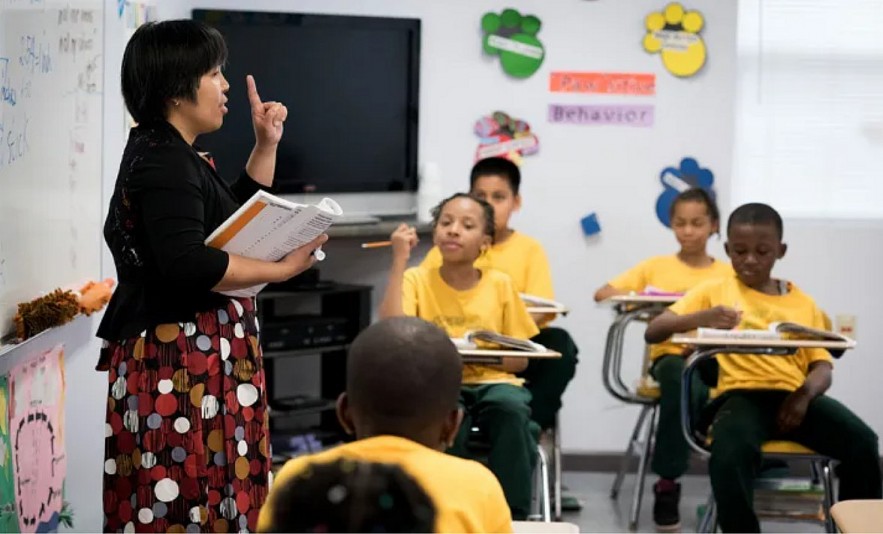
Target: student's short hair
column 487, row 210
column 165, row 60
column 757, row 214
column 403, row 375
column 697, row 194
column 496, row 167
column 350, row 496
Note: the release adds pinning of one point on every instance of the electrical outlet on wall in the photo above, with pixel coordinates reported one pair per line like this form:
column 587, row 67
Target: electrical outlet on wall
column 845, row 325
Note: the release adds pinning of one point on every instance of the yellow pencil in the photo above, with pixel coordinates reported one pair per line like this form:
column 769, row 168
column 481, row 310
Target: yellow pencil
column 377, row 244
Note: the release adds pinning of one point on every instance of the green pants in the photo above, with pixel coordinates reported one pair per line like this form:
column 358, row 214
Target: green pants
column 671, row 454
column 502, row 412
column 745, row 419
column 547, row 379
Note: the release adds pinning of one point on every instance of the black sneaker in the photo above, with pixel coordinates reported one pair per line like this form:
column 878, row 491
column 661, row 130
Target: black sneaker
column 665, row 506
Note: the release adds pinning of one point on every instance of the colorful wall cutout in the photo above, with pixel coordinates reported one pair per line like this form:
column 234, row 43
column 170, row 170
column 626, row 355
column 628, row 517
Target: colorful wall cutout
column 513, row 37
column 677, row 179
column 504, row 136
column 673, row 33
column 605, row 83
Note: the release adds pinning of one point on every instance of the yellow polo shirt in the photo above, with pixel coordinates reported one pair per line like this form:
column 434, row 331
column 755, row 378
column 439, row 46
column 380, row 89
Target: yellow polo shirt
column 670, row 274
column 466, row 494
column 521, row 257
column 493, row 304
column 740, row 371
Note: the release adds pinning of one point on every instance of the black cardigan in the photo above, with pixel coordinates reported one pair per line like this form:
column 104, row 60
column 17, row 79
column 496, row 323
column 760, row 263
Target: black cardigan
column 166, row 201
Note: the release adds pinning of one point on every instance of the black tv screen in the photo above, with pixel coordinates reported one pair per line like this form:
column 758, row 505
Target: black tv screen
column 351, row 88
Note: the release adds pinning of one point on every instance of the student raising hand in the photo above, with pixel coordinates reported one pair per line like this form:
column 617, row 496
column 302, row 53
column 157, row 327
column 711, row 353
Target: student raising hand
column 404, row 239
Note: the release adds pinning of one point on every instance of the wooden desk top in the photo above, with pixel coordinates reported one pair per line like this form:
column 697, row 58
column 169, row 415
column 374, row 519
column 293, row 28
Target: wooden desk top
column 762, row 343
column 499, row 353
column 862, row 515
column 641, row 299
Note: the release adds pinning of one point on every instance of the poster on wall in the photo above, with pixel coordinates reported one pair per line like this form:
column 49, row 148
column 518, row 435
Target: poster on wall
column 8, row 514
column 678, row 179
column 513, row 37
column 36, row 431
column 673, row 33
column 501, row 135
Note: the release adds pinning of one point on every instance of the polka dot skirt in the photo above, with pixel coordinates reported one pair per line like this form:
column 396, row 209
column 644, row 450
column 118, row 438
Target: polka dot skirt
column 187, row 444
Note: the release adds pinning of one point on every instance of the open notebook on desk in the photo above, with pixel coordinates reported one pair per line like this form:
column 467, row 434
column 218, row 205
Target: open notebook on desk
column 486, row 339
column 537, row 304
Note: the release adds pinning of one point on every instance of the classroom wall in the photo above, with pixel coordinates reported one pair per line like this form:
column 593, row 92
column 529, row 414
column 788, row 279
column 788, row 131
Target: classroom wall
column 613, row 171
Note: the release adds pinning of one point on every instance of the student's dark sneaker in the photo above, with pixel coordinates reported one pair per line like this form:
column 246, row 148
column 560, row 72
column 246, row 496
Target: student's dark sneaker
column 665, row 506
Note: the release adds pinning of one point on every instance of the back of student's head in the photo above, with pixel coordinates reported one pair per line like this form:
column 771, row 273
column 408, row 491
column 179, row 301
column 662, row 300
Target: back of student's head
column 501, row 167
column 403, row 376
column 350, row 496
column 697, row 194
column 757, row 214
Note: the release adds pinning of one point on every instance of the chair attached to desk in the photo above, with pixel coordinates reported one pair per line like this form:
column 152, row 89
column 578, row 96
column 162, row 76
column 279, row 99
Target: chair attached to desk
column 631, row 308
column 479, row 443
column 784, row 450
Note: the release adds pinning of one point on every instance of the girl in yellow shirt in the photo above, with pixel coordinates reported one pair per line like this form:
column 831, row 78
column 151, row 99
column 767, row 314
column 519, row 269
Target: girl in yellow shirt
column 460, row 298
column 694, row 219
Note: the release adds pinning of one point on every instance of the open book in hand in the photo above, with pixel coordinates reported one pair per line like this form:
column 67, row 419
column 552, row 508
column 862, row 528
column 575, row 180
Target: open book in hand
column 267, row 228
column 486, row 339
column 789, row 331
column 537, row 304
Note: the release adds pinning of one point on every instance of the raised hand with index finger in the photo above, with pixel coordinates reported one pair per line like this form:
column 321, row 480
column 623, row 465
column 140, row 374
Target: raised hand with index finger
column 267, row 117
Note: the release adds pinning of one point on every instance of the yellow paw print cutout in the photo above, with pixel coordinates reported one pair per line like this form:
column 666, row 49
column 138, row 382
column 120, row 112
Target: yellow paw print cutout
column 674, row 34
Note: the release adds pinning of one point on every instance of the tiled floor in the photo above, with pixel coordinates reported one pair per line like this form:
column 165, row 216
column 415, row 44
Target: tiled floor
column 602, row 514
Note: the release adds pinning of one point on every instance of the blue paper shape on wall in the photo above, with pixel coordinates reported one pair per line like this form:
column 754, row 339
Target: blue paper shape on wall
column 590, row 224
column 677, row 179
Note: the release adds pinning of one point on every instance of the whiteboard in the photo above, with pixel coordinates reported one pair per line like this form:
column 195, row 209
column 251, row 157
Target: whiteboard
column 50, row 147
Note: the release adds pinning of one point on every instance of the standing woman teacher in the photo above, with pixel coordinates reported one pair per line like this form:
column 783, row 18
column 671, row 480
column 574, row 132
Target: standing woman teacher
column 187, row 444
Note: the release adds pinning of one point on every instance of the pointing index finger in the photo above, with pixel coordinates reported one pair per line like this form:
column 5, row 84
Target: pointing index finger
column 253, row 98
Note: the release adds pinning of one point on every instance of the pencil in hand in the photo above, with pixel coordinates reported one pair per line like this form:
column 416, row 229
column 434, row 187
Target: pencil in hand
column 377, row 244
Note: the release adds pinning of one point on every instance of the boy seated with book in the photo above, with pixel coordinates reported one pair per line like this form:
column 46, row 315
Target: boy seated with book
column 403, row 384
column 497, row 181
column 764, row 397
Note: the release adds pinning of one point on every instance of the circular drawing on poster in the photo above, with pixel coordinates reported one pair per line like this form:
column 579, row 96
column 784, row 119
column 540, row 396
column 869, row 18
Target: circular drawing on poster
column 673, row 33
column 678, row 179
column 513, row 37
column 503, row 136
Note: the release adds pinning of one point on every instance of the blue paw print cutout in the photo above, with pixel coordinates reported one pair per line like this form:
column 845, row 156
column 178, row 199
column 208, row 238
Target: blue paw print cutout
column 675, row 180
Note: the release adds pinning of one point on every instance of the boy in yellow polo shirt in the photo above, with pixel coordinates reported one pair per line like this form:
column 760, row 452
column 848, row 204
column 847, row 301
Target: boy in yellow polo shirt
column 403, row 383
column 497, row 181
column 460, row 297
column 768, row 397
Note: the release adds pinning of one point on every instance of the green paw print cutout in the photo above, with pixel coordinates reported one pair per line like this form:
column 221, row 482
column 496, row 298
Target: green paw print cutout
column 514, row 38
column 674, row 34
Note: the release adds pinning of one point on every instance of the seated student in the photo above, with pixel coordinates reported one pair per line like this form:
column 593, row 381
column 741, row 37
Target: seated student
column 459, row 298
column 694, row 218
column 351, row 496
column 768, row 397
column 497, row 181
column 403, row 381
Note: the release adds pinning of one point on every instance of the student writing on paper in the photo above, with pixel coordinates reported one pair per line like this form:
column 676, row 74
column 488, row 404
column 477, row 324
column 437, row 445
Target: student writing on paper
column 762, row 398
column 402, row 388
column 460, row 298
column 694, row 219
column 523, row 258
column 186, row 411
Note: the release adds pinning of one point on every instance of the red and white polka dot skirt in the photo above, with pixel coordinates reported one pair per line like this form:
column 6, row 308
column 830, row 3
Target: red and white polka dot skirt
column 187, row 442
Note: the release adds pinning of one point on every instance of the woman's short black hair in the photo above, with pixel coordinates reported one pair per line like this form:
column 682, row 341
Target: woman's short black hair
column 165, row 60
column 486, row 208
